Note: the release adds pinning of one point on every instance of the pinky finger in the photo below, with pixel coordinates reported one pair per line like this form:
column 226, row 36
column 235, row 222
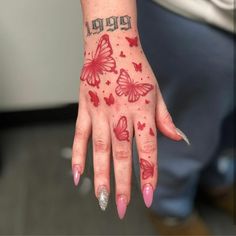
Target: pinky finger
column 79, row 150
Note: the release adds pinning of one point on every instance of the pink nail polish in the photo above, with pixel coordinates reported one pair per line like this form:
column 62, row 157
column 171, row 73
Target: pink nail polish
column 148, row 194
column 76, row 173
column 121, row 206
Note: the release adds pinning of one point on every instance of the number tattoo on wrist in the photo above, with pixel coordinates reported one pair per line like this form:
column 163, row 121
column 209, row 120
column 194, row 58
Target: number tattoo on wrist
column 109, row 24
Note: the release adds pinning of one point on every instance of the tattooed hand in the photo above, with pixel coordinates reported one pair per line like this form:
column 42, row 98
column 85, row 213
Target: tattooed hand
column 119, row 99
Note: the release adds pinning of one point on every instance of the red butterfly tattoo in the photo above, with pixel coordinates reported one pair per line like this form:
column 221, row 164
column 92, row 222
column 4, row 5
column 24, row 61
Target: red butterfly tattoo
column 151, row 132
column 101, row 62
column 110, row 100
column 133, row 42
column 129, row 88
column 122, row 54
column 147, row 167
column 137, row 67
column 141, row 126
column 94, row 98
column 121, row 132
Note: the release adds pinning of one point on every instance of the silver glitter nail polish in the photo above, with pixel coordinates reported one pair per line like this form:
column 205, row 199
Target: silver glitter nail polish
column 103, row 197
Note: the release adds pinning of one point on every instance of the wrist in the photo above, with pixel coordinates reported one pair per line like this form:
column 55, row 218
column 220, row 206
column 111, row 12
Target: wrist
column 115, row 26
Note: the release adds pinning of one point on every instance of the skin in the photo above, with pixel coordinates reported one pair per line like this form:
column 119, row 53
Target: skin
column 101, row 119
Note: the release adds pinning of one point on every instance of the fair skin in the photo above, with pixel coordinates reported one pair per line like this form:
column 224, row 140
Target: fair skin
column 119, row 100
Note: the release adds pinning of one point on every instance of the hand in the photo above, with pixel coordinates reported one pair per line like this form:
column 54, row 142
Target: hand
column 119, row 97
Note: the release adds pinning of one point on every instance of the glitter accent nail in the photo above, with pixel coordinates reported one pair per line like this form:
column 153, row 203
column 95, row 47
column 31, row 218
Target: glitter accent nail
column 103, row 197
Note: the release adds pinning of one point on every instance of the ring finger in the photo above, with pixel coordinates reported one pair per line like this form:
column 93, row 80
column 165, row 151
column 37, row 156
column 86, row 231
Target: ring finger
column 122, row 158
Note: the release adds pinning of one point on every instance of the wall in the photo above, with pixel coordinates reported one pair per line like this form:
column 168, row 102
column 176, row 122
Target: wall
column 40, row 53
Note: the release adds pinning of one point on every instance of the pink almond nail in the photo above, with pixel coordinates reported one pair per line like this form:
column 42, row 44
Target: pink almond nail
column 76, row 173
column 148, row 194
column 121, row 206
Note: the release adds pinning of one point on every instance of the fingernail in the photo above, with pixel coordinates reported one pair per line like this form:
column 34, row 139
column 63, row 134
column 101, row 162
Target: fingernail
column 148, row 194
column 76, row 174
column 183, row 136
column 103, row 197
column 121, row 206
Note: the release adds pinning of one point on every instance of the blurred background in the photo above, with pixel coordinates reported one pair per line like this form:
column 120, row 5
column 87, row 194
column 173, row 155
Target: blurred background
column 40, row 61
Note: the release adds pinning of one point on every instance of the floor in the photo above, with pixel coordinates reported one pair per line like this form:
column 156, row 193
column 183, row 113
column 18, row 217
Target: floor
column 37, row 195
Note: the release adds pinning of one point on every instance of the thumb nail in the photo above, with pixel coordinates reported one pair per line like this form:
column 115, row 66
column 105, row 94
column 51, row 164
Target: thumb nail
column 182, row 135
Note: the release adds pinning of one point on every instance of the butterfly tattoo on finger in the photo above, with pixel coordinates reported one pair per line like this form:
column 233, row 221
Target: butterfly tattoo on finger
column 120, row 131
column 102, row 61
column 147, row 168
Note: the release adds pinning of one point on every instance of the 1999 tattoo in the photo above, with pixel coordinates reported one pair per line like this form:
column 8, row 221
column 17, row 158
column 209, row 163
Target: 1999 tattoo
column 111, row 24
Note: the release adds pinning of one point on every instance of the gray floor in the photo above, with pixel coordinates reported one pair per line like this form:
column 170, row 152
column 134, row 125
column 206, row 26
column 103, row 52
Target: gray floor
column 37, row 195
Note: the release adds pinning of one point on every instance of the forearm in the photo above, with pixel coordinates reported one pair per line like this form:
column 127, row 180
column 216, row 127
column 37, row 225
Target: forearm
column 114, row 17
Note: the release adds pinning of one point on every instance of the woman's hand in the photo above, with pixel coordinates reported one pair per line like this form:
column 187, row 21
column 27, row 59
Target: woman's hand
column 119, row 99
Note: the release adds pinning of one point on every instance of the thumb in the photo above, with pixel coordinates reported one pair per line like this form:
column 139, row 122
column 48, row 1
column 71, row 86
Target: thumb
column 165, row 123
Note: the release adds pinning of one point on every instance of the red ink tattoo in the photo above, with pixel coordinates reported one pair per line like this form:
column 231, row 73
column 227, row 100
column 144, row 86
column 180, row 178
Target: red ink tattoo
column 151, row 132
column 147, row 167
column 108, row 82
column 110, row 100
column 121, row 132
column 147, row 101
column 94, row 98
column 129, row 88
column 122, row 54
column 137, row 67
column 141, row 126
column 101, row 62
column 133, row 42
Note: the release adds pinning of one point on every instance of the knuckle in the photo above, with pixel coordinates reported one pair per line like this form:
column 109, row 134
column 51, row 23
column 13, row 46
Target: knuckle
column 123, row 178
column 148, row 146
column 99, row 171
column 167, row 117
column 80, row 133
column 122, row 154
column 100, row 145
column 123, row 182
